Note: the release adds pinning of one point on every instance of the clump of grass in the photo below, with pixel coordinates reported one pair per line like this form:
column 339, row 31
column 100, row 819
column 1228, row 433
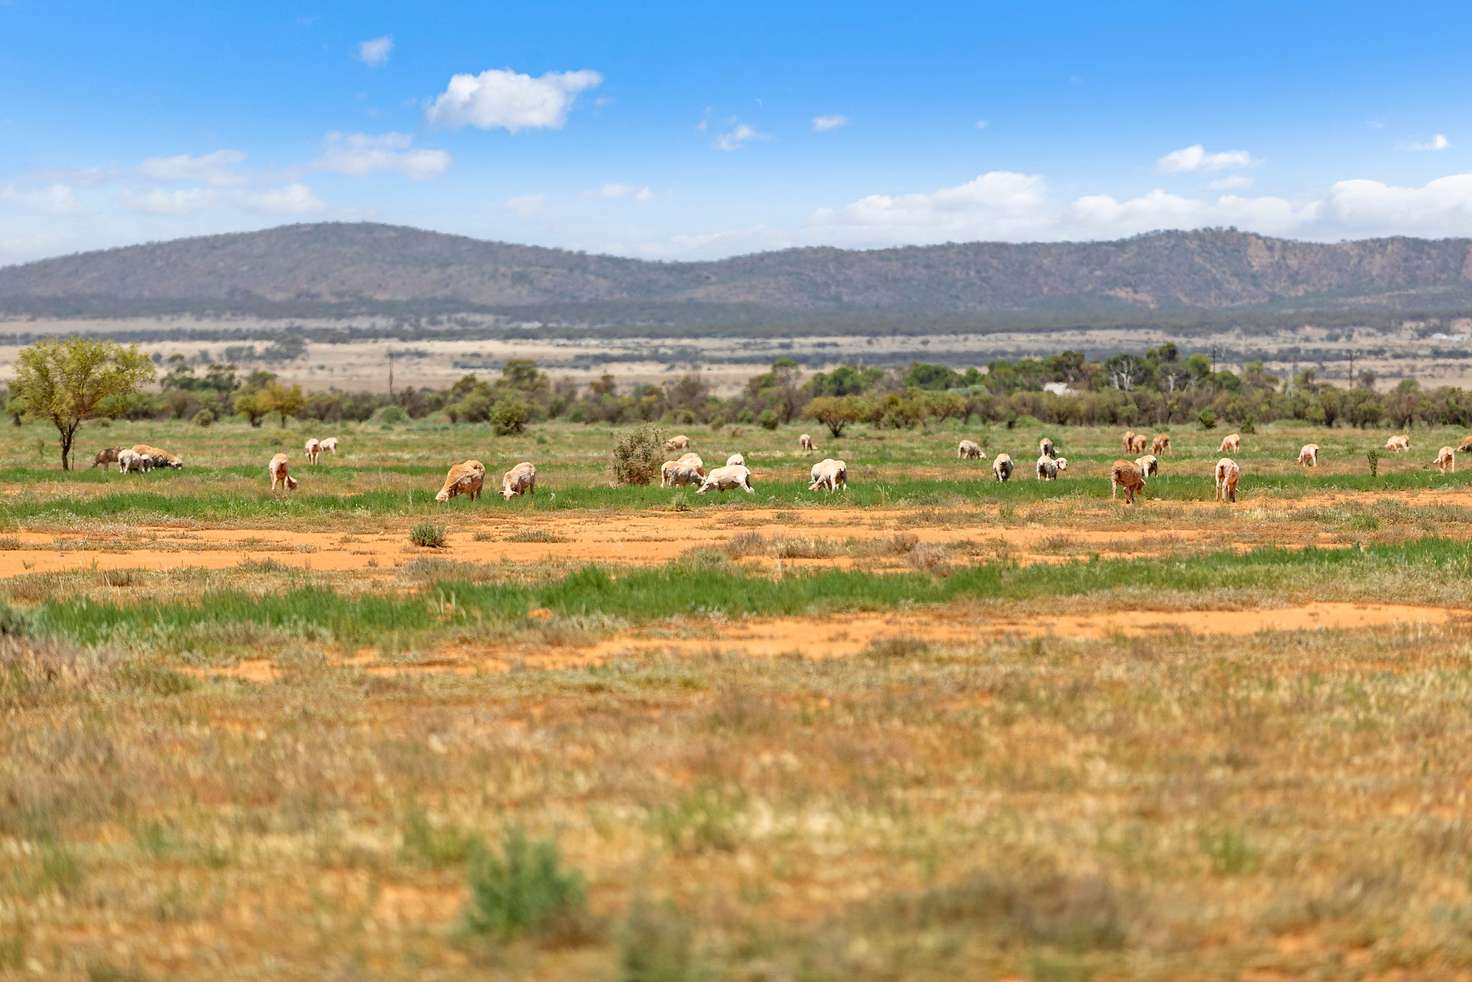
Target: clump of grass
column 745, row 544
column 536, row 535
column 637, row 456
column 524, row 890
column 706, row 819
column 150, row 678
column 886, row 649
column 803, row 548
column 680, row 501
column 13, row 623
column 428, row 535
column 1228, row 851
column 657, row 944
column 435, row 846
column 9, row 543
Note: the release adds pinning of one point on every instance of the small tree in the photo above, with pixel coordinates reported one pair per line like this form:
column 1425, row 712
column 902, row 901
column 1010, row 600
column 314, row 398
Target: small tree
column 71, row 381
column 836, row 412
column 283, row 400
column 510, row 415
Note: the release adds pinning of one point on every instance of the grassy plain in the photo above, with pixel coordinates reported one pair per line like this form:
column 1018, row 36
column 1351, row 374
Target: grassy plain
column 929, row 727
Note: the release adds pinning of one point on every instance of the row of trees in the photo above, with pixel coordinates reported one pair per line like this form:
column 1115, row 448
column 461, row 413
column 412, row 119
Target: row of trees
column 68, row 382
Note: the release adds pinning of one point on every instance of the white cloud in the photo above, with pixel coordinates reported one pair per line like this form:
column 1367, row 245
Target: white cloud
column 503, row 99
column 641, row 194
column 179, row 201
column 1195, row 158
column 52, row 199
column 292, row 199
column 997, row 204
column 526, row 205
column 358, row 154
column 1437, row 142
column 1236, row 182
column 823, row 124
column 1442, row 206
column 739, row 136
column 216, row 168
column 375, row 51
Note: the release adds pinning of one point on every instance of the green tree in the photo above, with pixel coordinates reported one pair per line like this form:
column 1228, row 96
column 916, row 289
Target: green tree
column 836, row 412
column 71, row 381
column 510, row 414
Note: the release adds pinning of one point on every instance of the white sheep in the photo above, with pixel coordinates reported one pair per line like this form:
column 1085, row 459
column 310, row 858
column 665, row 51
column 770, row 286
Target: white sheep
column 1048, row 467
column 969, row 450
column 1308, row 455
column 828, row 473
column 314, row 450
column 686, row 469
column 467, row 478
column 329, row 445
column 1398, row 444
column 1149, row 465
column 521, row 479
column 735, row 460
column 131, row 461
column 1227, row 476
column 726, row 478
column 1002, row 467
column 279, row 477
column 805, row 443
column 1446, row 460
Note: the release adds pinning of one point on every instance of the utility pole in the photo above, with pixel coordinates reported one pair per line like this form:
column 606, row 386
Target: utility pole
column 1351, row 368
column 390, row 374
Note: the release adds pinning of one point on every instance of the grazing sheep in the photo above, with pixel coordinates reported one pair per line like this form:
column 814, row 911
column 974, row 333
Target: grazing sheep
column 1466, row 444
column 1231, row 443
column 106, row 458
column 1129, row 440
column 464, row 478
column 735, row 460
column 1142, row 442
column 279, row 478
column 160, row 458
column 314, row 450
column 1227, row 476
column 969, row 450
column 1446, row 460
column 1048, row 467
column 1160, row 445
column 1398, row 444
column 1002, row 467
column 329, row 445
column 1149, row 465
column 1045, row 448
column 1126, row 474
column 726, row 478
column 687, row 469
column 1308, row 456
column 805, row 444
column 521, row 479
column 828, row 474
column 130, row 461
column 681, row 442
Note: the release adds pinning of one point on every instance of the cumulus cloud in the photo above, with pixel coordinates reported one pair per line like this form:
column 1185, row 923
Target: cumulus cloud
column 52, row 199
column 641, row 194
column 997, row 204
column 217, row 168
column 1236, row 182
column 358, row 154
column 292, row 199
column 526, row 205
column 738, row 136
column 503, row 99
column 1437, row 142
column 375, row 51
column 1440, row 206
column 1195, row 158
column 823, row 124
column 179, row 201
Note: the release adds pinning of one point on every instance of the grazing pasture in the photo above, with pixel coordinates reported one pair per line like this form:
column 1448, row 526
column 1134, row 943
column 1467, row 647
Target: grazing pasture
column 927, row 725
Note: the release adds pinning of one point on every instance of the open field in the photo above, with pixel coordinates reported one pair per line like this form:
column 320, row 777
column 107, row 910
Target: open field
column 929, row 727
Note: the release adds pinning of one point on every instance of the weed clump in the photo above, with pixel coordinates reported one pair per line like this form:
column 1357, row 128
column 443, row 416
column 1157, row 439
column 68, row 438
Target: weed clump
column 428, row 535
column 524, row 890
column 636, row 456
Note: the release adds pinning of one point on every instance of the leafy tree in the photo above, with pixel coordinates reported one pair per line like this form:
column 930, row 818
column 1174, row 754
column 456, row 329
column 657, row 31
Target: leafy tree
column 283, row 400
column 836, row 412
column 509, row 415
column 71, row 381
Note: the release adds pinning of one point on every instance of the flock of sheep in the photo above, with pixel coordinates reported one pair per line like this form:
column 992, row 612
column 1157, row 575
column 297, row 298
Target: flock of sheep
column 468, row 477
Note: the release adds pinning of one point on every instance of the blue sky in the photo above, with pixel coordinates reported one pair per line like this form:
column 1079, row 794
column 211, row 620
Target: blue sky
column 701, row 130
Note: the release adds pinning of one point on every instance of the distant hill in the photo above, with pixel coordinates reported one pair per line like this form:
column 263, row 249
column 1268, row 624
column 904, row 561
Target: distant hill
column 332, row 269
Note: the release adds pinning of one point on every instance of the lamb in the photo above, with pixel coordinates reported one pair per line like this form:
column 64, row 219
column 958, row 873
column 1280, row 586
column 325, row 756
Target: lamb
column 314, row 450
column 130, row 461
column 329, row 445
column 1466, row 444
column 1149, row 465
column 1308, row 456
column 726, row 478
column 1398, row 444
column 1141, row 442
column 681, row 442
column 828, row 473
column 1231, row 443
column 969, row 450
column 1160, row 445
column 687, row 469
column 466, row 477
column 1048, row 467
column 1002, row 467
column 1129, row 440
column 1045, row 448
column 1446, row 460
column 521, row 479
column 805, row 444
column 160, row 458
column 735, row 460
column 106, row 457
column 1126, row 474
column 1227, row 476
column 279, row 478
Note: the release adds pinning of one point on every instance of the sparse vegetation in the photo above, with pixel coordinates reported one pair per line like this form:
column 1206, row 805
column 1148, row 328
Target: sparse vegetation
column 428, row 535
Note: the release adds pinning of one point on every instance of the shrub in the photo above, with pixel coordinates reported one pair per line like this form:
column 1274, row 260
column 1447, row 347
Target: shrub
column 13, row 623
column 205, row 417
column 1207, row 419
column 770, row 420
column 1374, row 458
column 428, row 534
column 391, row 416
column 436, row 846
column 509, row 415
column 637, row 456
column 523, row 890
column 657, row 944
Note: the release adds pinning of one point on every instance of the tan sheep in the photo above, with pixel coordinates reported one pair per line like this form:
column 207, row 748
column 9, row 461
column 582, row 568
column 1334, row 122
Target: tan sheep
column 736, row 460
column 680, row 442
column 1466, row 444
column 1045, row 448
column 805, row 444
column 828, row 474
column 969, row 450
column 329, row 445
column 1002, row 467
column 1149, row 465
column 686, row 469
column 1398, row 444
column 1446, row 460
column 521, row 479
column 727, row 478
column 1308, row 455
column 1125, row 474
column 106, row 458
column 160, row 458
column 1227, row 476
column 1231, row 443
column 279, row 477
column 467, row 477
column 1160, row 446
column 314, row 450
column 1129, row 440
column 1141, row 444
